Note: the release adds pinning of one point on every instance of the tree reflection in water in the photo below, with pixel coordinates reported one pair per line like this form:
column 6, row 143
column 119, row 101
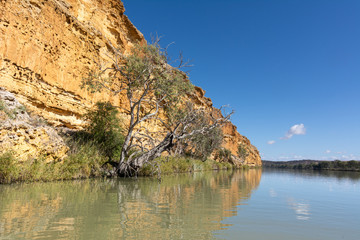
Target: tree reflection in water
column 182, row 206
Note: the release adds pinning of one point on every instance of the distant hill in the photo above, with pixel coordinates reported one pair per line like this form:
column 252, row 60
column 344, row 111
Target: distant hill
column 314, row 165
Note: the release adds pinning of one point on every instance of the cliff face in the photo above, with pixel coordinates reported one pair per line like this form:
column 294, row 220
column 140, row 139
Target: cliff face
column 27, row 137
column 48, row 46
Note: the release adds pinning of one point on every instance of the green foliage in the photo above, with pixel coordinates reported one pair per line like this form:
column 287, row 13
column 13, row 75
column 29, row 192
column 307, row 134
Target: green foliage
column 324, row 165
column 315, row 165
column 8, row 169
column 353, row 164
column 151, row 61
column 89, row 151
column 170, row 165
column 145, row 73
column 11, row 113
column 104, row 129
column 205, row 144
column 149, row 83
column 223, row 155
column 201, row 145
column 242, row 152
column 89, row 162
column 2, row 105
column 86, row 162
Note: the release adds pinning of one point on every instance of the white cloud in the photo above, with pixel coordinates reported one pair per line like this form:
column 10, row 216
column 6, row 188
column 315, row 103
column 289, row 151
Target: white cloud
column 325, row 157
column 349, row 157
column 292, row 157
column 327, row 151
column 271, row 142
column 298, row 129
column 340, row 152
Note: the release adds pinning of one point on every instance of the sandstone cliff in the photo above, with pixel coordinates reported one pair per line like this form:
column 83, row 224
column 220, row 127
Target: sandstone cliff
column 27, row 137
column 48, row 46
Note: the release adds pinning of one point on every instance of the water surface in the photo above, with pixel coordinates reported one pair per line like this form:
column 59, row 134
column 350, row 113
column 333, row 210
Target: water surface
column 300, row 205
column 251, row 204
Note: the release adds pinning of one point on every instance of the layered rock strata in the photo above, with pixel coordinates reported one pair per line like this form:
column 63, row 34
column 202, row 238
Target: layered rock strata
column 48, row 46
column 25, row 136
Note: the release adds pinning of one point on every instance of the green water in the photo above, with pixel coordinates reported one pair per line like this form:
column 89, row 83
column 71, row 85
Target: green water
column 251, row 204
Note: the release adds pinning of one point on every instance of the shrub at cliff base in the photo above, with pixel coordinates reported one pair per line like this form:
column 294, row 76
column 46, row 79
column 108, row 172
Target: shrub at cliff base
column 104, row 129
column 89, row 162
column 169, row 165
column 85, row 163
column 8, row 169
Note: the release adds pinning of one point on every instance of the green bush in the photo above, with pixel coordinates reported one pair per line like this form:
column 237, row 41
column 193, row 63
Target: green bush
column 103, row 130
column 242, row 152
column 86, row 162
column 223, row 155
column 8, row 169
column 353, row 165
column 170, row 165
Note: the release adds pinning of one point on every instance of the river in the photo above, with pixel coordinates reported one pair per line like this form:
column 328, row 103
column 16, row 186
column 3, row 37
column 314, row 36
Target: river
column 249, row 204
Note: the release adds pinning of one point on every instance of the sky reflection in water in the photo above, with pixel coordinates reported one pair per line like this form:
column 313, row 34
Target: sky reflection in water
column 300, row 205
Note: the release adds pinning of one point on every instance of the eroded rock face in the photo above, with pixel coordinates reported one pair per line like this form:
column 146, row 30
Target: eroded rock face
column 27, row 137
column 48, row 46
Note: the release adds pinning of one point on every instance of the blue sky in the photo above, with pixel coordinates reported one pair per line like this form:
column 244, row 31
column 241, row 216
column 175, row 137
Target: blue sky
column 278, row 64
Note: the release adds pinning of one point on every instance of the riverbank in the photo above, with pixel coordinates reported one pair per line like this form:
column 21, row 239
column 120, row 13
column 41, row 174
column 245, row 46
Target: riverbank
column 336, row 165
column 88, row 162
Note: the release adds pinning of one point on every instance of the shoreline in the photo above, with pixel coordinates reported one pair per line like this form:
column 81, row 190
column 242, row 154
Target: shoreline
column 80, row 167
column 336, row 165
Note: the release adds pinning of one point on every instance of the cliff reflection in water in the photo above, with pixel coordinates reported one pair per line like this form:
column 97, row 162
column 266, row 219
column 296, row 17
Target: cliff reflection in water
column 183, row 206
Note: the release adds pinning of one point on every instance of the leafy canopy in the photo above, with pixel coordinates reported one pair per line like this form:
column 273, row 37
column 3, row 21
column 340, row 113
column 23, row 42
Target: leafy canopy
column 145, row 76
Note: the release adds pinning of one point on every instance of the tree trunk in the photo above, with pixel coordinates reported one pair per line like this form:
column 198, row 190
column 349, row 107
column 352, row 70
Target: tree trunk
column 132, row 166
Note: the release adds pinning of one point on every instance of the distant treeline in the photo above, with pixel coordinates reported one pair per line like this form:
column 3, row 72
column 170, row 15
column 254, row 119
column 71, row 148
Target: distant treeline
column 315, row 165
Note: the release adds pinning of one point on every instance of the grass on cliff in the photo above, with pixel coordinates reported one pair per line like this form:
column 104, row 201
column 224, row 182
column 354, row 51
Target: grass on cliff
column 2, row 105
column 11, row 113
column 8, row 168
